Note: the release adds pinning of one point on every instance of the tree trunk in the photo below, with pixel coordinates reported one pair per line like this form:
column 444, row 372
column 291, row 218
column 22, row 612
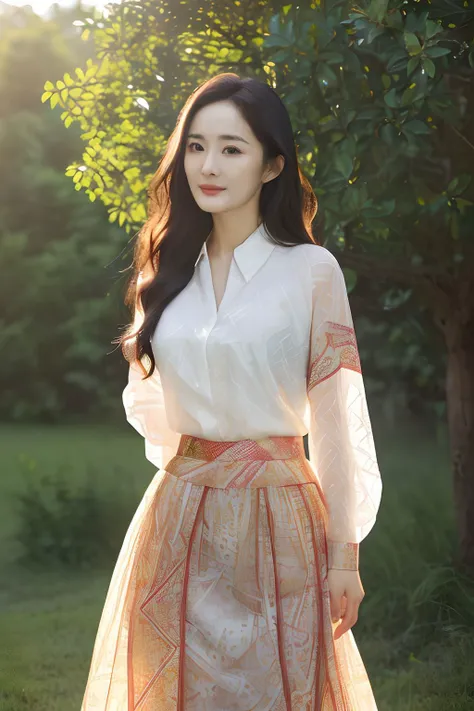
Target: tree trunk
column 459, row 332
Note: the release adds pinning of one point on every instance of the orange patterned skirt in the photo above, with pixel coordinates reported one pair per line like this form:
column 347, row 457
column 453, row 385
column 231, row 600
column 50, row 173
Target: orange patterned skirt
column 219, row 599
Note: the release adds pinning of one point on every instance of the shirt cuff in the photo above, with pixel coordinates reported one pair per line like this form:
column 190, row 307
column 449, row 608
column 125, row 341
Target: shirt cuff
column 343, row 556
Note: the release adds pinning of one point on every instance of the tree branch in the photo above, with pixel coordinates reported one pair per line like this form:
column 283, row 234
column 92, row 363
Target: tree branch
column 458, row 133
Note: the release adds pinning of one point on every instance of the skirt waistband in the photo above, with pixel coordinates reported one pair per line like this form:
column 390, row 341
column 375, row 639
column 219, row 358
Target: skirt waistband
column 246, row 463
column 262, row 449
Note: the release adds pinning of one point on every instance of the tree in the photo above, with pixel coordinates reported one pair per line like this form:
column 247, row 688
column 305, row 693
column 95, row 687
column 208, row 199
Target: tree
column 380, row 97
column 388, row 128
column 57, row 298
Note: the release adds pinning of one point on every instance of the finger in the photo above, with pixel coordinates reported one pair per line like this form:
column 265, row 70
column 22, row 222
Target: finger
column 336, row 605
column 342, row 610
column 349, row 619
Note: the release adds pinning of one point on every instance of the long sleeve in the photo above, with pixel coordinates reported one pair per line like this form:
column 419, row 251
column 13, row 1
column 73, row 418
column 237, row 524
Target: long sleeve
column 340, row 440
column 144, row 401
column 145, row 410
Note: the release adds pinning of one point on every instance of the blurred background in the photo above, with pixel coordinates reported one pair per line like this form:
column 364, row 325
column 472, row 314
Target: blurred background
column 381, row 96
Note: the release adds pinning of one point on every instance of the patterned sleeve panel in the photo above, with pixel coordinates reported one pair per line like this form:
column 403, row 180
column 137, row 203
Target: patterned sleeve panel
column 340, row 440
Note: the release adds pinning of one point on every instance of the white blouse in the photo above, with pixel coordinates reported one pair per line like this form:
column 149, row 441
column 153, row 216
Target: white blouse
column 279, row 357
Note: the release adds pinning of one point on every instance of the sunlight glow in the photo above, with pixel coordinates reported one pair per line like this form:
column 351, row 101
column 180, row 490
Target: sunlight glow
column 42, row 7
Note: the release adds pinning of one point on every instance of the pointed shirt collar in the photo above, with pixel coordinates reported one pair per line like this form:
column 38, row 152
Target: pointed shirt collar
column 250, row 254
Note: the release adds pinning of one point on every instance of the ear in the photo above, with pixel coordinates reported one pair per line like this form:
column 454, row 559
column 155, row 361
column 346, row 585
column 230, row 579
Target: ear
column 274, row 169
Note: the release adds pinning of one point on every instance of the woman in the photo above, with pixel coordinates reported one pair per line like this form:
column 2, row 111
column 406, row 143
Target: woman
column 238, row 582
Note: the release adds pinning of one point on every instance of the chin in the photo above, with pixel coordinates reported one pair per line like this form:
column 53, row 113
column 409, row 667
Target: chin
column 210, row 205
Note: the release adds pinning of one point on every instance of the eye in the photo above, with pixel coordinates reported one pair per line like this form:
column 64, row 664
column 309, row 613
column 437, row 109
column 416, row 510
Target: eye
column 232, row 148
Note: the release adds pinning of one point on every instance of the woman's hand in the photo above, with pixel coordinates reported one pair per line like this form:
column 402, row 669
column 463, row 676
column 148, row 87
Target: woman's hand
column 346, row 594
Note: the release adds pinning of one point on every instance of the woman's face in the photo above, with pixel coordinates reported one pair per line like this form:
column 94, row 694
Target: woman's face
column 222, row 150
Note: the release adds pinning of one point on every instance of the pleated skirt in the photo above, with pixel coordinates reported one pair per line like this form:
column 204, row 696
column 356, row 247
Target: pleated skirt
column 219, row 599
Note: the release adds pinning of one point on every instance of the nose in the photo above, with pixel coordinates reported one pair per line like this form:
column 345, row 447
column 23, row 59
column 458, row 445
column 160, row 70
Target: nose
column 210, row 164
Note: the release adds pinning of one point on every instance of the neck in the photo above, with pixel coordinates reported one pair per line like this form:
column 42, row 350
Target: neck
column 228, row 232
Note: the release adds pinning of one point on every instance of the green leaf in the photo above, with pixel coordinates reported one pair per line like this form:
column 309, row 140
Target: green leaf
column 416, row 22
column 289, row 31
column 343, row 163
column 296, row 94
column 432, row 29
column 328, row 123
column 429, row 67
column 274, row 24
column 325, row 74
column 463, row 204
column 410, row 95
column 281, row 55
column 412, row 65
column 386, row 207
column 394, row 19
column 437, row 51
column 412, row 43
column 380, row 209
column 373, row 33
column 416, row 126
column 458, row 185
column 275, row 41
column 350, row 276
column 452, row 186
column 388, row 133
column 331, row 57
column 348, row 117
column 397, row 61
column 391, row 98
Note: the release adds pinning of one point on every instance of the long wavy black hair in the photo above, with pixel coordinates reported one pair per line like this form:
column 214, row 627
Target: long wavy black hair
column 169, row 242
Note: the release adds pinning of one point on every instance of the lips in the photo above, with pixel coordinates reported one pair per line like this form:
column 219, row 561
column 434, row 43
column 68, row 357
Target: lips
column 211, row 189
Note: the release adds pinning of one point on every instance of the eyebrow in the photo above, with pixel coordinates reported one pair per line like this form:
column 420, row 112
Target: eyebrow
column 224, row 137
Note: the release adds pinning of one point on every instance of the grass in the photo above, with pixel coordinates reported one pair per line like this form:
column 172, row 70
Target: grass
column 49, row 618
column 415, row 623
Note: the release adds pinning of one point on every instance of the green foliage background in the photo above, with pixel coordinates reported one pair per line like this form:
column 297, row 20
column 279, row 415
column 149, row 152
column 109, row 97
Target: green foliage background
column 380, row 98
column 61, row 284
